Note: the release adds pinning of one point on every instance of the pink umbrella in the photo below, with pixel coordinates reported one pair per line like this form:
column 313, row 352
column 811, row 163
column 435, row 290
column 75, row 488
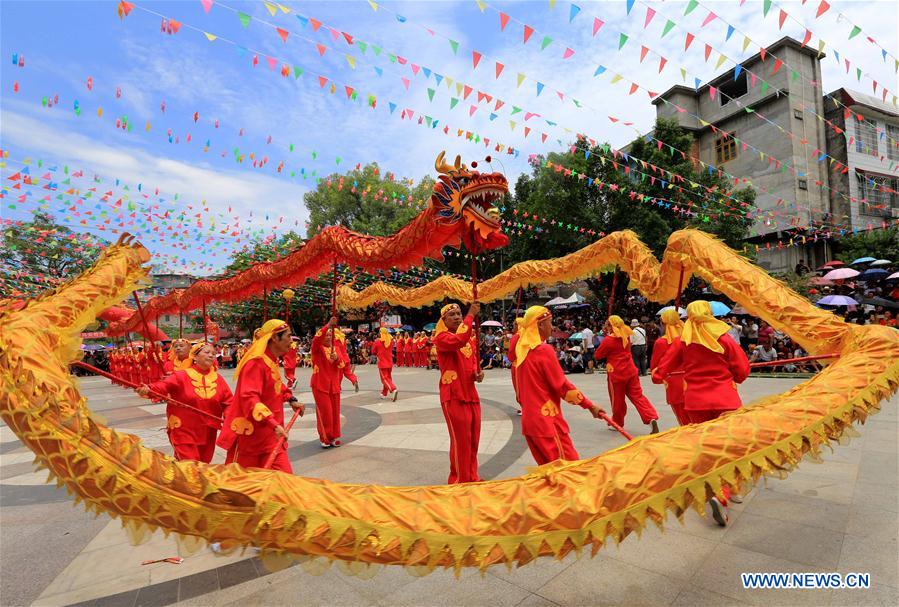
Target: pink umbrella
column 893, row 276
column 841, row 274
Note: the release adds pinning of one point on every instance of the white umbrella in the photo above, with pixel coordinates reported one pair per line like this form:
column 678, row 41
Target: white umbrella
column 680, row 311
column 880, row 262
column 491, row 323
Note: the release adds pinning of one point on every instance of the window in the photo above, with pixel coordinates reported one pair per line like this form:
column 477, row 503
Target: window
column 803, row 184
column 878, row 194
column 797, row 114
column 725, row 149
column 733, row 89
column 866, row 137
column 892, row 142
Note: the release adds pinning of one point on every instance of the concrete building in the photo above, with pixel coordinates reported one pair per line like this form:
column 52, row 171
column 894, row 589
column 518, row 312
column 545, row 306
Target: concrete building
column 163, row 284
column 783, row 84
column 869, row 147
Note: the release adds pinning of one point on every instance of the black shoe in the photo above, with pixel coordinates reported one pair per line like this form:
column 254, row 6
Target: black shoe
column 655, row 427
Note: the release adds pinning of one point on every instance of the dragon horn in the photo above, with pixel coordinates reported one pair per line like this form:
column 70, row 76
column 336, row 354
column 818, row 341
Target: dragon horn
column 458, row 162
column 440, row 164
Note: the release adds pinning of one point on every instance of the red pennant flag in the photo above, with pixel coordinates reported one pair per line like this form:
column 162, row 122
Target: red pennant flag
column 499, row 103
column 466, row 91
column 643, row 51
column 503, row 21
column 822, row 8
column 322, row 81
column 347, row 37
column 321, row 48
column 528, row 32
column 499, row 68
column 777, row 65
column 808, row 36
column 708, row 51
column 282, row 33
column 688, row 41
column 781, row 18
column 762, row 53
column 315, row 24
column 349, row 91
column 597, row 23
column 634, row 87
column 543, row 138
column 124, row 9
column 662, row 63
column 527, row 131
column 650, row 13
column 475, row 59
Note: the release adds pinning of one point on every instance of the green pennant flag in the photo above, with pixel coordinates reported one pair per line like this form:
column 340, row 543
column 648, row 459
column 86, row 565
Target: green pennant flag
column 244, row 18
column 455, row 46
column 392, row 57
column 453, row 102
column 858, row 73
column 297, row 71
column 856, row 30
column 431, row 94
column 377, row 50
column 764, row 87
column 362, row 45
column 668, row 25
column 794, row 75
column 693, row 4
column 515, row 110
column 766, row 7
column 546, row 42
column 622, row 40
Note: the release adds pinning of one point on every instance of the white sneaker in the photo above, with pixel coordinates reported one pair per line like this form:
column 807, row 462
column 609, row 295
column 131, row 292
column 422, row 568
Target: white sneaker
column 719, row 512
column 326, row 445
column 215, row 547
column 393, row 395
column 383, row 397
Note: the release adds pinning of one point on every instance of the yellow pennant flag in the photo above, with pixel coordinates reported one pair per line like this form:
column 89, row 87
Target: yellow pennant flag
column 210, row 37
column 449, row 82
column 821, row 44
column 284, row 9
column 616, row 78
column 512, row 124
column 683, row 74
column 373, row 5
column 458, row 88
column 746, row 42
column 481, row 5
column 272, row 9
column 520, row 79
column 721, row 59
column 351, row 60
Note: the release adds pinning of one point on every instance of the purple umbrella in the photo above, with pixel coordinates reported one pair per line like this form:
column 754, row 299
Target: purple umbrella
column 841, row 274
column 837, row 300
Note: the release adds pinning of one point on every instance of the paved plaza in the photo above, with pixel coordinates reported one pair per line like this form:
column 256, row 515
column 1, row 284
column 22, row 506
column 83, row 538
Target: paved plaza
column 835, row 516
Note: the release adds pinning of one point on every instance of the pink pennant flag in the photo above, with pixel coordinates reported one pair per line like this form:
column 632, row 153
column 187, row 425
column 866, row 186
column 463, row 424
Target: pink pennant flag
column 650, row 13
column 499, row 68
column 781, row 18
column 405, row 82
column 568, row 53
column 597, row 23
column 271, row 62
column 472, row 110
column 822, row 8
column 282, row 33
column 688, row 40
column 712, row 92
column 475, row 59
column 503, row 21
column 207, row 5
column 528, row 32
column 709, row 18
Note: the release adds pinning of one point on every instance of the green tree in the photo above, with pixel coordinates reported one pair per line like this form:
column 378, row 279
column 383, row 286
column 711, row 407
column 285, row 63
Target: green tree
column 45, row 248
column 881, row 244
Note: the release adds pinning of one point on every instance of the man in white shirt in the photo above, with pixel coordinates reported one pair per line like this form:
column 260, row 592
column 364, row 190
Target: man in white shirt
column 736, row 329
column 638, row 346
column 587, row 342
column 763, row 353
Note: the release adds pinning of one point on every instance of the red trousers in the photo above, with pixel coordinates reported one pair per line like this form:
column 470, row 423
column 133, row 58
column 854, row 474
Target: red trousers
column 197, row 452
column 257, row 460
column 630, row 388
column 327, row 415
column 422, row 359
column 683, row 417
column 386, row 381
column 463, row 420
column 410, row 359
column 706, row 415
column 547, row 449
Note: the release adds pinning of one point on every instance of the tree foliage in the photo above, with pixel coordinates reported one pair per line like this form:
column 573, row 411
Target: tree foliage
column 881, row 244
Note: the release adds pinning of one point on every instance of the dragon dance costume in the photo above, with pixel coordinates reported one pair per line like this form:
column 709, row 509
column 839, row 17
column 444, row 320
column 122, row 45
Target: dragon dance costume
column 541, row 386
column 325, row 384
column 456, row 358
column 623, row 379
column 383, row 350
column 674, row 383
column 249, row 430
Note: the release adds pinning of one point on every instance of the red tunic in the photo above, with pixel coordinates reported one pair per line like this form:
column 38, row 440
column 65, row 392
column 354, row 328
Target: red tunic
column 209, row 393
column 458, row 365
column 400, row 351
column 326, row 374
column 541, row 387
column 512, row 358
column 619, row 362
column 710, row 378
column 258, row 407
column 674, row 384
column 384, row 354
column 290, row 364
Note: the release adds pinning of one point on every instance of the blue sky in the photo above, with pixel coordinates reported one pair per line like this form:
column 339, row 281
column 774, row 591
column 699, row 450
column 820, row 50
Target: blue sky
column 65, row 43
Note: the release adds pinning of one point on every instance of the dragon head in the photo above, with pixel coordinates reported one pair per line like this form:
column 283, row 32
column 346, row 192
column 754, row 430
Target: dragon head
column 466, row 196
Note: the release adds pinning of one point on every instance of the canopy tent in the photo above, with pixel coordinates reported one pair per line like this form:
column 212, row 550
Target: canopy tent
column 574, row 298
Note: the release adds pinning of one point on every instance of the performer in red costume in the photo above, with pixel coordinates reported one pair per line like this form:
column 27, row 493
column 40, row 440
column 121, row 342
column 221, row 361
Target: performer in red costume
column 674, row 384
column 410, row 351
column 622, row 377
column 346, row 366
column 327, row 371
column 290, row 363
column 713, row 365
column 193, row 435
column 179, row 357
column 511, row 355
column 383, row 349
column 400, row 349
column 422, row 349
column 541, row 387
column 457, row 353
column 256, row 419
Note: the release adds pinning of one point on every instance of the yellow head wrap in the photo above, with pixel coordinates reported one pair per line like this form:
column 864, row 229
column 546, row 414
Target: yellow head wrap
column 261, row 337
column 441, row 326
column 702, row 328
column 673, row 324
column 196, row 348
column 529, row 332
column 620, row 329
column 385, row 338
column 518, row 322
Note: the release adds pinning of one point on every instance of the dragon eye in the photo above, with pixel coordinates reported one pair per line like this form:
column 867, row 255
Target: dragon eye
column 463, row 181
